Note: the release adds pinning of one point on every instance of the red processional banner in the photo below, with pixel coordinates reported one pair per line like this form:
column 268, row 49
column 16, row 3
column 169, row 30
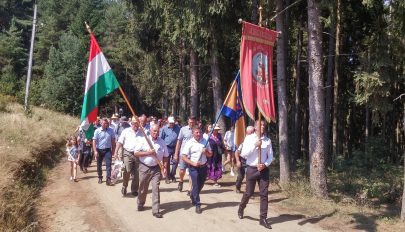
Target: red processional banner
column 256, row 55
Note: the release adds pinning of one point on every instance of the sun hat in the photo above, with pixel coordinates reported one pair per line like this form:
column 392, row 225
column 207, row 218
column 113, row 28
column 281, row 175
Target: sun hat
column 170, row 119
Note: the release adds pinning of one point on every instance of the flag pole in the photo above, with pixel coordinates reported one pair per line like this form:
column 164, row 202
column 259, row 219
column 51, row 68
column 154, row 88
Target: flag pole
column 133, row 113
column 259, row 148
column 220, row 112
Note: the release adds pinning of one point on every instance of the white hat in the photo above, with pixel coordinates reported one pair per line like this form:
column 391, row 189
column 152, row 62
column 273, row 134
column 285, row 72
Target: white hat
column 170, row 119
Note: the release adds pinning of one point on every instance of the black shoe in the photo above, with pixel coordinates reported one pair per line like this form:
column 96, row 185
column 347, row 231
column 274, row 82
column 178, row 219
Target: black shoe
column 108, row 183
column 140, row 207
column 198, row 209
column 263, row 222
column 238, row 190
column 134, row 194
column 124, row 190
column 188, row 193
column 174, row 180
column 167, row 181
column 157, row 215
column 100, row 180
column 180, row 187
column 240, row 213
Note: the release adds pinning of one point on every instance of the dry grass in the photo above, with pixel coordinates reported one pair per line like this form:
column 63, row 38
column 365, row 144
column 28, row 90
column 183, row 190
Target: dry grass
column 29, row 144
column 348, row 214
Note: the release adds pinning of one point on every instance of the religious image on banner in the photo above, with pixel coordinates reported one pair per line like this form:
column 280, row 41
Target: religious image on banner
column 256, row 70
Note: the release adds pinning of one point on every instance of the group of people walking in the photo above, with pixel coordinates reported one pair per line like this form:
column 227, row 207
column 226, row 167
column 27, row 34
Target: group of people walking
column 153, row 151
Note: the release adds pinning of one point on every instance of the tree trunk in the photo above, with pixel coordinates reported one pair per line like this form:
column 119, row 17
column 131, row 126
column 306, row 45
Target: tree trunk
column 216, row 83
column 282, row 97
column 183, row 94
column 255, row 6
column 403, row 192
column 297, row 103
column 329, row 87
column 316, row 102
column 336, row 113
column 193, row 83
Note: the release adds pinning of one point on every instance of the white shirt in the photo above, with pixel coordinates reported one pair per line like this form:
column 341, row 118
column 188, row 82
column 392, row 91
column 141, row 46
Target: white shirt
column 193, row 150
column 250, row 151
column 229, row 139
column 129, row 138
column 160, row 147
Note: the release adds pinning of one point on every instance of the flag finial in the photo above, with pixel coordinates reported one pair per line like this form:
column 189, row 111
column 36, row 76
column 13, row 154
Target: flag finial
column 88, row 27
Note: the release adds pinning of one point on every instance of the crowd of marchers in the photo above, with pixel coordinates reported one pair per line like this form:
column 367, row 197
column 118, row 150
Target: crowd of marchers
column 151, row 150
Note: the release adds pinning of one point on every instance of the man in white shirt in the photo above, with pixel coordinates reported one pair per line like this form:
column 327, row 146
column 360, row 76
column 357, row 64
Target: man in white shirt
column 241, row 162
column 149, row 170
column 257, row 171
column 128, row 140
column 195, row 155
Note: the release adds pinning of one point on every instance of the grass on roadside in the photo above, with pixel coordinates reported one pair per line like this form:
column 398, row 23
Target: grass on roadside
column 353, row 211
column 29, row 145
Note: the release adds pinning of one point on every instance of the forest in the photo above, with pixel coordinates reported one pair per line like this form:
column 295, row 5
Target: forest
column 338, row 76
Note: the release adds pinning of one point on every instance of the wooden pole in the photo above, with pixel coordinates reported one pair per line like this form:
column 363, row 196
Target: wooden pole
column 134, row 115
column 259, row 151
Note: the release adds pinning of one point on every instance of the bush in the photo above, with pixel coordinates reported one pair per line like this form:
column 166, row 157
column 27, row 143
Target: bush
column 4, row 101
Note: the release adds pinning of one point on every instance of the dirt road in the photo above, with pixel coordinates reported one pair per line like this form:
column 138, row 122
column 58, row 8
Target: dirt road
column 89, row 206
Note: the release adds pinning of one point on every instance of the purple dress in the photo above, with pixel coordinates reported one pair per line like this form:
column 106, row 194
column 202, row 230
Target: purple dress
column 214, row 163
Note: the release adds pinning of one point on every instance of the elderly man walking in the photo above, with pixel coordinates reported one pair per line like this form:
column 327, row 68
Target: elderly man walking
column 103, row 145
column 149, row 170
column 128, row 140
column 169, row 134
column 241, row 162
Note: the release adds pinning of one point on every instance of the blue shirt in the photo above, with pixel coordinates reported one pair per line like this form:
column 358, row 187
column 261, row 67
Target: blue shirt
column 169, row 135
column 104, row 138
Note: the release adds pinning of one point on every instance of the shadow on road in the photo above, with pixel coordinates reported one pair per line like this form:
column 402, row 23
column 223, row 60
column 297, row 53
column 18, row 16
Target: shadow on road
column 208, row 191
column 317, row 219
column 173, row 206
column 220, row 205
column 285, row 217
column 277, row 200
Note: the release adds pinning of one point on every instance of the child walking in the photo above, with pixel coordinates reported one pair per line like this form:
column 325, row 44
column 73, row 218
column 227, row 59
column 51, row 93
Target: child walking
column 73, row 156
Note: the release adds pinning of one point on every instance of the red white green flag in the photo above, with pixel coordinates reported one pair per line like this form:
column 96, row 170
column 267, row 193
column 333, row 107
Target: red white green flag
column 100, row 82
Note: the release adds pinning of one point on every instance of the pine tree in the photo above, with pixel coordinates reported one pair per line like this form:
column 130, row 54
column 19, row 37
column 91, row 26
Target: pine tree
column 12, row 59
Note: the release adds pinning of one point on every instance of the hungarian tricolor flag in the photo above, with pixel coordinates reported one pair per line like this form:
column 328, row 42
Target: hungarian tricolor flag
column 256, row 55
column 100, row 81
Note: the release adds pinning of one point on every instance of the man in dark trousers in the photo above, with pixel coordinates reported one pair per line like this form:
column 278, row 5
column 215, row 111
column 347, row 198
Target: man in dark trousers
column 257, row 171
column 103, row 146
column 195, row 154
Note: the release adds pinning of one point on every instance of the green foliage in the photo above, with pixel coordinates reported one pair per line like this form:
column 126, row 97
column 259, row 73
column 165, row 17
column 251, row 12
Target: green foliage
column 5, row 101
column 64, row 75
column 366, row 86
column 368, row 175
column 12, row 59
